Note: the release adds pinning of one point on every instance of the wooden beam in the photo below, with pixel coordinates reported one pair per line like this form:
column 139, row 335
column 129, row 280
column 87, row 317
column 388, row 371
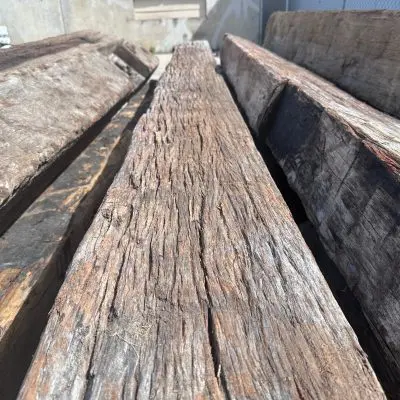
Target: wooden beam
column 141, row 61
column 36, row 250
column 137, row 57
column 342, row 158
column 51, row 93
column 193, row 280
column 357, row 50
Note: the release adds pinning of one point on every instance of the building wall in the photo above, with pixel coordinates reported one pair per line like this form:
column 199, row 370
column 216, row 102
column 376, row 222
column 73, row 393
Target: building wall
column 343, row 4
column 29, row 20
column 315, row 4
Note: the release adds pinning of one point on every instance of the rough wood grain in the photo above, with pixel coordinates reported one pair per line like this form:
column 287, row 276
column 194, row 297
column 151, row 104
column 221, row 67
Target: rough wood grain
column 27, row 52
column 141, row 60
column 193, row 281
column 36, row 250
column 357, row 50
column 342, row 158
column 49, row 99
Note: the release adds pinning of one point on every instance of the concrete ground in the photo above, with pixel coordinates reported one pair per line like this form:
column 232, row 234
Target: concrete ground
column 164, row 60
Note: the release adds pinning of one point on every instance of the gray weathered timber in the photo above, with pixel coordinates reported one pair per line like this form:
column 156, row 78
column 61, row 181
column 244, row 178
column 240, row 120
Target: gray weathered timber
column 36, row 250
column 51, row 93
column 357, row 50
column 193, row 281
column 342, row 158
column 141, row 60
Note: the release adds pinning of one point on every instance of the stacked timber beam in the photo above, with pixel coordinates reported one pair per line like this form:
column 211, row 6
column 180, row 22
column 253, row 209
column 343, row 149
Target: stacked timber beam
column 193, row 280
column 58, row 97
column 357, row 50
column 51, row 93
column 342, row 157
column 36, row 250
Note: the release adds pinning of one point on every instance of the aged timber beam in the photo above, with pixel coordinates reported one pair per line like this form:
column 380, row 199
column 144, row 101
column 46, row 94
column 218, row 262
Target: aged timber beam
column 193, row 280
column 342, row 158
column 36, row 250
column 141, row 60
column 51, row 93
column 357, row 50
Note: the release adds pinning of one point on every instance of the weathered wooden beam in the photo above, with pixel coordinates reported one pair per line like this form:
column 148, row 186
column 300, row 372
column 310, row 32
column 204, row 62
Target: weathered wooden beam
column 51, row 93
column 357, row 50
column 137, row 57
column 342, row 158
column 36, row 250
column 193, row 280
column 27, row 52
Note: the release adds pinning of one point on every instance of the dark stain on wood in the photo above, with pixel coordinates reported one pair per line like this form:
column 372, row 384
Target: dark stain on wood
column 342, row 158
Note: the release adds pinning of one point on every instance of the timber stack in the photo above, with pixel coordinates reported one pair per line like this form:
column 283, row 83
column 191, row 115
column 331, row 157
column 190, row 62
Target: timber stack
column 356, row 50
column 61, row 117
column 193, row 280
column 340, row 155
column 186, row 273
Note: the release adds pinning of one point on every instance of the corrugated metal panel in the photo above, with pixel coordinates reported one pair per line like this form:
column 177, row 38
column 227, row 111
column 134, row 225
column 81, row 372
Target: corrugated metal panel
column 295, row 5
column 372, row 4
column 315, row 4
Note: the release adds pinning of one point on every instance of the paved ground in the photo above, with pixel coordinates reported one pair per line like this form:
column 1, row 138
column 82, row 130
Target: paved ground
column 164, row 61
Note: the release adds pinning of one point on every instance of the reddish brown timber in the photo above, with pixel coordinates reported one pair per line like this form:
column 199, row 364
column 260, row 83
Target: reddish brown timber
column 342, row 158
column 51, row 93
column 36, row 250
column 357, row 50
column 193, row 281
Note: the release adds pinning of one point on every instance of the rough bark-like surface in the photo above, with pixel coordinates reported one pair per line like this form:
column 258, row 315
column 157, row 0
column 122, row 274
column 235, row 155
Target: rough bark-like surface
column 193, row 281
column 27, row 52
column 48, row 101
column 342, row 158
column 141, row 60
column 36, row 250
column 357, row 50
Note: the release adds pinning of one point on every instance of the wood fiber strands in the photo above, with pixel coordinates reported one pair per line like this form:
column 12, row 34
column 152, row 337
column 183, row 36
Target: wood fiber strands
column 51, row 93
column 193, row 281
column 36, row 250
column 357, row 50
column 342, row 157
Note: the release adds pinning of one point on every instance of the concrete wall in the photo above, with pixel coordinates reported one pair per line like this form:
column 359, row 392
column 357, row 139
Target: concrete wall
column 28, row 20
column 35, row 19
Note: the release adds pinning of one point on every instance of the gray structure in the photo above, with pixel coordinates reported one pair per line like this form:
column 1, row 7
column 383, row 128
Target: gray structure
column 157, row 24
column 343, row 4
